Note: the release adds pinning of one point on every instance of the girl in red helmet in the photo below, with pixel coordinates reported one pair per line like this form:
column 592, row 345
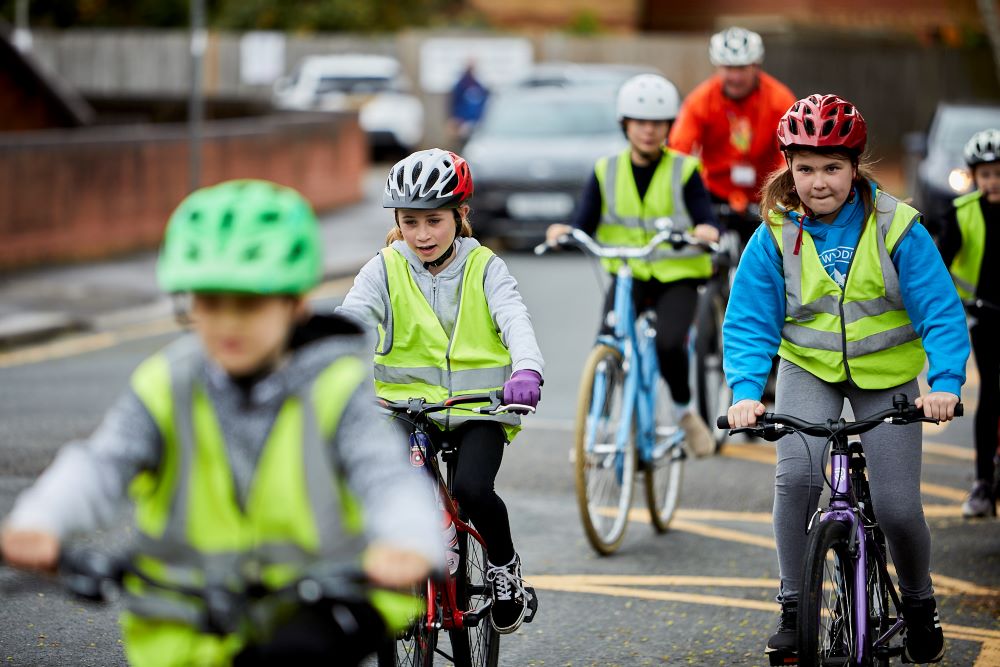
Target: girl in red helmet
column 845, row 285
column 450, row 320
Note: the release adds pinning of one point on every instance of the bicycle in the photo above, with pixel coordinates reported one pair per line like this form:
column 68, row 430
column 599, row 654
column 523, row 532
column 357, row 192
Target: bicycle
column 975, row 307
column 849, row 610
column 458, row 603
column 623, row 409
column 327, row 596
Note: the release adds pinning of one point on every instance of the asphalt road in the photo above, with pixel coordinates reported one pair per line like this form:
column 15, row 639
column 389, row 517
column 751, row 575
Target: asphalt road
column 700, row 595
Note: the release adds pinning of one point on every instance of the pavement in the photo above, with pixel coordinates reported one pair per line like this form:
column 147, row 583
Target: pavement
column 44, row 303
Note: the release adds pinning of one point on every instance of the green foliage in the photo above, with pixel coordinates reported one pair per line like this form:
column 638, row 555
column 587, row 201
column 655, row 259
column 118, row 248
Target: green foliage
column 585, row 22
column 298, row 16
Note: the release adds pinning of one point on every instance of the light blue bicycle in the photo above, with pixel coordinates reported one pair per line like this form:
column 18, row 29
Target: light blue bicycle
column 625, row 414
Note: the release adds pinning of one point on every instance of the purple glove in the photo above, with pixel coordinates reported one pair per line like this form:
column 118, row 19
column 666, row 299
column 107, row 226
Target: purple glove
column 524, row 387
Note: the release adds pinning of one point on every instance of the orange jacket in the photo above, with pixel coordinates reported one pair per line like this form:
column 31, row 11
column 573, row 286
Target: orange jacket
column 727, row 133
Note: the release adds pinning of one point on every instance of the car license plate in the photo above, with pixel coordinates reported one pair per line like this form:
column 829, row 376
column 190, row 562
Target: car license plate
column 549, row 205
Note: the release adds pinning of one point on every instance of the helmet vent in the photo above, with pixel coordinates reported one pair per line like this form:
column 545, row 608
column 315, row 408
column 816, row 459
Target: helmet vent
column 452, row 184
column 298, row 249
column 192, row 253
column 227, row 221
column 252, row 253
column 809, row 125
column 845, row 129
column 828, row 128
column 793, row 126
column 195, row 216
column 415, row 173
column 269, row 217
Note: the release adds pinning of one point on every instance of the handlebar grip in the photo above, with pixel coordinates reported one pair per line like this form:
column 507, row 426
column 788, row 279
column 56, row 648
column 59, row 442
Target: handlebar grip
column 722, row 422
column 959, row 410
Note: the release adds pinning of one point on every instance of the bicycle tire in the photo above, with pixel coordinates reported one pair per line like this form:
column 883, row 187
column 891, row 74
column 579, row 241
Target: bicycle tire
column 826, row 629
column 414, row 647
column 603, row 372
column 663, row 476
column 478, row 646
column 877, row 588
column 712, row 394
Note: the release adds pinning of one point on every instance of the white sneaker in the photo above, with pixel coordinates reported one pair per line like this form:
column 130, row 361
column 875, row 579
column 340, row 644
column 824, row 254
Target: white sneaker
column 698, row 437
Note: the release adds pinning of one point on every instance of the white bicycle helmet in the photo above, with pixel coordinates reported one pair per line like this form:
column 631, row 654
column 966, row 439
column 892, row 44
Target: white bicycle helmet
column 433, row 178
column 736, row 47
column 983, row 147
column 648, row 97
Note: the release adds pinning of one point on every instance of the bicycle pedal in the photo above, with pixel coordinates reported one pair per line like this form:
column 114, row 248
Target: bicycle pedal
column 783, row 658
column 529, row 614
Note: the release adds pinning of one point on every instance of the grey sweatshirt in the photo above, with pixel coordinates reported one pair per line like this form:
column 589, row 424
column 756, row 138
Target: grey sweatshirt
column 86, row 485
column 368, row 300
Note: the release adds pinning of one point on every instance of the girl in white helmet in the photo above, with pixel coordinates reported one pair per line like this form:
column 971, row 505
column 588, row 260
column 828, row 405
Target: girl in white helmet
column 450, row 320
column 625, row 195
column 971, row 232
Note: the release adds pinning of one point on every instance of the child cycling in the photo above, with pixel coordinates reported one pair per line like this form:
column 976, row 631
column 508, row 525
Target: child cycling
column 846, row 286
column 970, row 233
column 623, row 198
column 450, row 320
column 239, row 446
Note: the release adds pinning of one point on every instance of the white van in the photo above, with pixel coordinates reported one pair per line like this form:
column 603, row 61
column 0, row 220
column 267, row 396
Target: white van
column 373, row 85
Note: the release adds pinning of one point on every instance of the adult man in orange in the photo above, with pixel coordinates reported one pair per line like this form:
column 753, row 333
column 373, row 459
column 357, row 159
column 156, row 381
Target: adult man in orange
column 729, row 122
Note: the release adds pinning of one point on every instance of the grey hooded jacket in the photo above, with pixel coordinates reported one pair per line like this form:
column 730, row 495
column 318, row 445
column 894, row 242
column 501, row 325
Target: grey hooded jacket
column 368, row 300
column 86, row 485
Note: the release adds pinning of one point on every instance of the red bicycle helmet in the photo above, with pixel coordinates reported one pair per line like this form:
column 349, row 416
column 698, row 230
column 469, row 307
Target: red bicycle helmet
column 824, row 122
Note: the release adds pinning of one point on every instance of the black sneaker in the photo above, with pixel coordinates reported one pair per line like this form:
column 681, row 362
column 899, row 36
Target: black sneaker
column 509, row 598
column 785, row 640
column 924, row 640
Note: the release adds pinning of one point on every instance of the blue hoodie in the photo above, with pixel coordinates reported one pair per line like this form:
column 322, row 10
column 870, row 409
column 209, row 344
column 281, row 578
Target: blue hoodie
column 756, row 312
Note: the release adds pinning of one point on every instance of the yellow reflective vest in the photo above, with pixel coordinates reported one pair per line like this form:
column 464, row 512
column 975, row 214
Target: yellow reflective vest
column 861, row 333
column 422, row 361
column 627, row 219
column 967, row 263
column 193, row 532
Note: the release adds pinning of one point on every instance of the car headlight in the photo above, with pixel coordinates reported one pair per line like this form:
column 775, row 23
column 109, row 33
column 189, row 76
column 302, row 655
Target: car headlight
column 959, row 180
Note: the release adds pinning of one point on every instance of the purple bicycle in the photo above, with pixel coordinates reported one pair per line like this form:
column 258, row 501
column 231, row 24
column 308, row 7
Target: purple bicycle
column 849, row 610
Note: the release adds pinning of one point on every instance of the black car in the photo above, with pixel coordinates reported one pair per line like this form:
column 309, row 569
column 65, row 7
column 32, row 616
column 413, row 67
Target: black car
column 940, row 172
column 532, row 153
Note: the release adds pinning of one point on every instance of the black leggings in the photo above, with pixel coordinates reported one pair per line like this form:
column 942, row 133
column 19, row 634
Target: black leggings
column 674, row 304
column 984, row 343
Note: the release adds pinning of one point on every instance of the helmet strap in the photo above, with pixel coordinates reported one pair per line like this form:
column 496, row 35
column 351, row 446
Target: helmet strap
column 442, row 259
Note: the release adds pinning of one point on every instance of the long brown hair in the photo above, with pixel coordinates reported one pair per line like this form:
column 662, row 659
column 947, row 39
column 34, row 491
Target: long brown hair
column 779, row 191
column 462, row 227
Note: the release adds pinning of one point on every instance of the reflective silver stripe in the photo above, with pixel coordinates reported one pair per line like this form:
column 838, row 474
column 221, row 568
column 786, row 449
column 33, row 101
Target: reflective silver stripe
column 182, row 376
column 680, row 216
column 453, row 418
column 792, row 265
column 856, row 310
column 882, row 340
column 167, row 609
column 830, row 341
column 667, row 252
column 965, row 285
column 467, row 380
column 611, row 192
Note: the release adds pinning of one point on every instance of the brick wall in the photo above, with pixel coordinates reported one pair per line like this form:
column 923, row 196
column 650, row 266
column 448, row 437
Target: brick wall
column 71, row 195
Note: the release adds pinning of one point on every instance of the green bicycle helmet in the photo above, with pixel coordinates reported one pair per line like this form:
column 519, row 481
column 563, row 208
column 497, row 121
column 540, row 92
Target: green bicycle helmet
column 248, row 236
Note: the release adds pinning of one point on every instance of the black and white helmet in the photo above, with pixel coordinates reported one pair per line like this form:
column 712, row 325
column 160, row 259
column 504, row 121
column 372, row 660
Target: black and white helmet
column 433, row 178
column 983, row 147
column 736, row 47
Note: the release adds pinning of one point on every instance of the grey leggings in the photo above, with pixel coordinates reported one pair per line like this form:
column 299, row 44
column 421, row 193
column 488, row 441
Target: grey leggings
column 893, row 456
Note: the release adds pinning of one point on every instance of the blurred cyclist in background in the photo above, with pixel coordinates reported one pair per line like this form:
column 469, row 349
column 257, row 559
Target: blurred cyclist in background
column 729, row 121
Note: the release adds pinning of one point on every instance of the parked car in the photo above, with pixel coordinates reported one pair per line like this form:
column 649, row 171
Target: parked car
column 938, row 172
column 560, row 73
column 532, row 153
column 373, row 85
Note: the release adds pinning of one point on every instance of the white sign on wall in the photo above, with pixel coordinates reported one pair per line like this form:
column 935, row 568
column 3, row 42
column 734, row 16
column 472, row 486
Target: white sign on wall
column 497, row 61
column 262, row 57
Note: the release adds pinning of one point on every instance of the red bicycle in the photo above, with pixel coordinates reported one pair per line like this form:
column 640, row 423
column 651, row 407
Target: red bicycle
column 458, row 603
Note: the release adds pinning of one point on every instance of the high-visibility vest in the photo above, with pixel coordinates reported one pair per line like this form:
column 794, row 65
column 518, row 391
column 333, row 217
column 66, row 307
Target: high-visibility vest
column 192, row 531
column 967, row 263
column 421, row 360
column 862, row 332
column 627, row 219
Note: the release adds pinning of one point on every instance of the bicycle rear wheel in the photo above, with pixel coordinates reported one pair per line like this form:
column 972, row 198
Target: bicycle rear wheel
column 605, row 467
column 413, row 648
column 477, row 646
column 710, row 389
column 826, row 629
column 664, row 472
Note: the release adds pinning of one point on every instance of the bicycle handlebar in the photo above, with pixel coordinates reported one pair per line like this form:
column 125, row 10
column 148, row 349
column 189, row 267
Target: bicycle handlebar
column 584, row 240
column 419, row 406
column 771, row 426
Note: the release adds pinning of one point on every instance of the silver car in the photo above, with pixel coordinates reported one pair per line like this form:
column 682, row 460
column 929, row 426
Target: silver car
column 532, row 154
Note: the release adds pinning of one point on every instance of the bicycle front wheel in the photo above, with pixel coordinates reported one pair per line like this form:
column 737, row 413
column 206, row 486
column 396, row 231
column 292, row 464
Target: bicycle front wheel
column 664, row 471
column 604, row 451
column 827, row 622
column 415, row 647
column 477, row 646
column 711, row 391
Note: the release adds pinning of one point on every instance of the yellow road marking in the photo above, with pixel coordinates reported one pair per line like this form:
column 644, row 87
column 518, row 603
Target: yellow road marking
column 941, row 491
column 722, row 515
column 756, row 453
column 653, row 580
column 953, row 451
column 989, row 655
column 81, row 344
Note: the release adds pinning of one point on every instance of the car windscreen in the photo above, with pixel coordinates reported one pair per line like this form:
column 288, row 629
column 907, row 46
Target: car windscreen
column 514, row 116
column 959, row 124
column 352, row 85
